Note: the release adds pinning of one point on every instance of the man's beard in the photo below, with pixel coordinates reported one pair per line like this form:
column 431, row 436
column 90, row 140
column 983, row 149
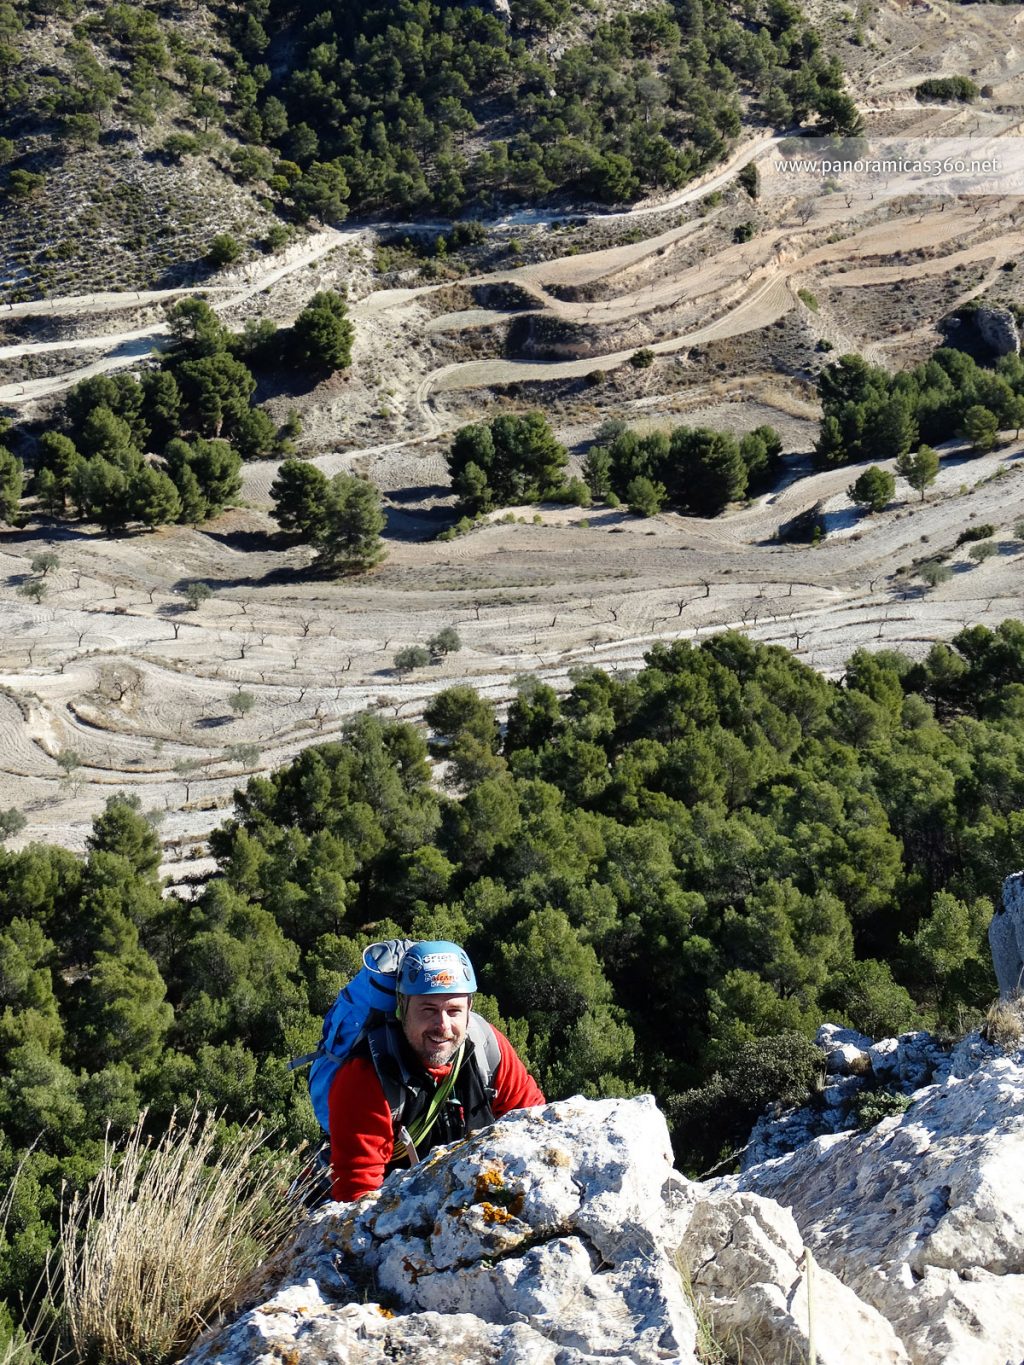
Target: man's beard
column 439, row 1055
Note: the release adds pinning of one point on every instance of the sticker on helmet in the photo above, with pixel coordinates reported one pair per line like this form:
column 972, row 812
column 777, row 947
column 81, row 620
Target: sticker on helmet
column 439, row 960
column 442, row 979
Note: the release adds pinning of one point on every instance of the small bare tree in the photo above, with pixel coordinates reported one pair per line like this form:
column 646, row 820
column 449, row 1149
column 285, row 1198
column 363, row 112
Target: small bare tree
column 186, row 769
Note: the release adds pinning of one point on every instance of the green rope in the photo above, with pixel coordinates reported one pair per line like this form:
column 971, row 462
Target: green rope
column 419, row 1130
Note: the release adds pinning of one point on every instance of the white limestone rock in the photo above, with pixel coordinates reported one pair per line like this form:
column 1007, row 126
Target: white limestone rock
column 846, row 1050
column 885, row 1059
column 919, row 1057
column 282, row 1330
column 775, row 1135
column 968, row 1055
column 563, row 1218
column 745, row 1258
column 1006, row 937
column 562, row 1236
column 923, row 1216
column 998, row 328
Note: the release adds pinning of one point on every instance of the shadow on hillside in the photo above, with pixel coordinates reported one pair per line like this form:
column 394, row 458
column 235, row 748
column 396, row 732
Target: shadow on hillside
column 421, row 493
column 42, row 528
column 249, row 542
column 423, row 524
column 284, row 381
column 285, row 574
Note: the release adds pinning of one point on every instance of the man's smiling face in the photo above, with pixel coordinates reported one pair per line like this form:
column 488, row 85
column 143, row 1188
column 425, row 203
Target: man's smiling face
column 435, row 1026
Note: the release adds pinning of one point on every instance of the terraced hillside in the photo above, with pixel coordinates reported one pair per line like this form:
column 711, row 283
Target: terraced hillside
column 741, row 300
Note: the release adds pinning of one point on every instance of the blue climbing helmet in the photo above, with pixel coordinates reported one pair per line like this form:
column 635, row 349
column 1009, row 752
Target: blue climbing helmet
column 436, row 968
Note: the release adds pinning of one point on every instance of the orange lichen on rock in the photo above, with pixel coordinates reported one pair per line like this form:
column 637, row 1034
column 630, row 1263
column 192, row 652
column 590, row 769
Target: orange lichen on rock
column 494, row 1213
column 487, row 1182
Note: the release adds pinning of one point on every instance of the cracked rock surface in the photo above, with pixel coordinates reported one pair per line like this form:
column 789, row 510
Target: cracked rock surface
column 562, row 1236
column 549, row 1237
column 923, row 1215
column 745, row 1258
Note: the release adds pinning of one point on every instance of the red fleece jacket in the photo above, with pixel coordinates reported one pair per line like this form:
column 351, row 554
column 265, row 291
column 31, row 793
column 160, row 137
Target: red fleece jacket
column 362, row 1137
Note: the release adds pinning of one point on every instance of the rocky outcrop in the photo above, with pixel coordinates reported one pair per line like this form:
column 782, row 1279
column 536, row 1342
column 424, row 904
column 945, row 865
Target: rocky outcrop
column 506, row 295
column 563, row 1236
column 747, row 1263
column 539, row 336
column 923, row 1215
column 856, row 1067
column 1006, row 937
column 550, row 1237
column 998, row 329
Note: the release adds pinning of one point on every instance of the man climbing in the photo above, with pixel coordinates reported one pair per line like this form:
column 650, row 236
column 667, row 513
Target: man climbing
column 432, row 1074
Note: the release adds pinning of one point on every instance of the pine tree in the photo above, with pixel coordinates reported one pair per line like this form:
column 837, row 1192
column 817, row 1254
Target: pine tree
column 59, row 455
column 348, row 540
column 154, row 498
column 322, row 334
column 981, row 428
column 299, row 494
column 12, row 483
column 920, row 469
column 873, row 489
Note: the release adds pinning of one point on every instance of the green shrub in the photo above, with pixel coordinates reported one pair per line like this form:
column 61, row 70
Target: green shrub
column 410, row 658
column 960, row 88
column 933, row 572
column 575, row 492
column 980, row 532
column 985, row 550
column 24, row 184
column 708, row 1121
column 223, row 250
column 872, row 1106
column 750, row 180
column 644, row 497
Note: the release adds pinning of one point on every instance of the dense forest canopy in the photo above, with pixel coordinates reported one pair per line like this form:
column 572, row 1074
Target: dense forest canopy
column 666, row 881
column 195, row 409
column 869, row 413
column 515, row 459
column 416, row 105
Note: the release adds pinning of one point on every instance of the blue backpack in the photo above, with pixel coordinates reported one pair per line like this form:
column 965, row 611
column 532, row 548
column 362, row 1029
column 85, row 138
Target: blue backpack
column 371, row 991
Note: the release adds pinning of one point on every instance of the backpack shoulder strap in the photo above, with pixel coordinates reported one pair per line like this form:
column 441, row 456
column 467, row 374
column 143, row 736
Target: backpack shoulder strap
column 382, row 1044
column 486, row 1052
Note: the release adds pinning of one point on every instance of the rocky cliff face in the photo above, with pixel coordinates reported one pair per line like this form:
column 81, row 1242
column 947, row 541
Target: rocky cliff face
column 998, row 328
column 922, row 1217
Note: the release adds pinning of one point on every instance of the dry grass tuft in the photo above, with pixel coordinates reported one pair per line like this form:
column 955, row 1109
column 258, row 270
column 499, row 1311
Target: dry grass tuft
column 165, row 1238
column 709, row 1350
column 1004, row 1023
